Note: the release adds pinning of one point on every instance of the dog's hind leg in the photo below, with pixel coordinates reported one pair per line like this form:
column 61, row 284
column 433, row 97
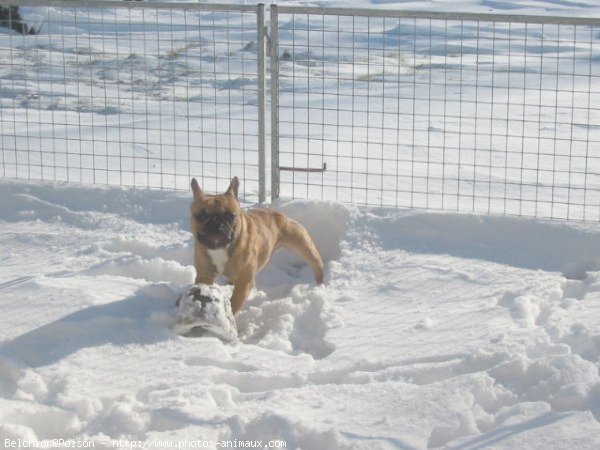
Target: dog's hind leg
column 294, row 237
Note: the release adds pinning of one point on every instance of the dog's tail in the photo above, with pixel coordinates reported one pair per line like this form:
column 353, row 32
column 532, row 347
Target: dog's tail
column 294, row 237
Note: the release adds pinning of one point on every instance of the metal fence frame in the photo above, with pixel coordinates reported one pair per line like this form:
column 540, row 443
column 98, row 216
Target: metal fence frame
column 268, row 45
column 145, row 10
column 304, row 16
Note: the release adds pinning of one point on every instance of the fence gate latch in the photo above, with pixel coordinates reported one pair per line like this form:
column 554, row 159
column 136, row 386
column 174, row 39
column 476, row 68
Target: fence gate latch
column 304, row 169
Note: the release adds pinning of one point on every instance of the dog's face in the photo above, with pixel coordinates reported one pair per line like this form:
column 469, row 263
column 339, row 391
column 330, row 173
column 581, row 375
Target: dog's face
column 214, row 218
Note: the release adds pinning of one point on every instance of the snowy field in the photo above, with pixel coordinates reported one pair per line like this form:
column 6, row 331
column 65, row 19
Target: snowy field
column 433, row 330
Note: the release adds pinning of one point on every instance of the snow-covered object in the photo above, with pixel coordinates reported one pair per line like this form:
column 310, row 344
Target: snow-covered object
column 205, row 308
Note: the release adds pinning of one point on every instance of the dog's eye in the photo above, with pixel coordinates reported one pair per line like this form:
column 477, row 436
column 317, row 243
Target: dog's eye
column 230, row 216
column 201, row 216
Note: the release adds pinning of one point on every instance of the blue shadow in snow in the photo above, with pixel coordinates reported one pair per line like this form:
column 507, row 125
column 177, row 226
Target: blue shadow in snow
column 118, row 323
column 505, row 432
column 517, row 241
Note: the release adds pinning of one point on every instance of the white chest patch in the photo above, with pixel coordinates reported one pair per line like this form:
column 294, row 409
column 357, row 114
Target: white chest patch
column 219, row 258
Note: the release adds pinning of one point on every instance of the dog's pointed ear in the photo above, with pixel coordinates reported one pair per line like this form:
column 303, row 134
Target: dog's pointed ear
column 196, row 189
column 234, row 186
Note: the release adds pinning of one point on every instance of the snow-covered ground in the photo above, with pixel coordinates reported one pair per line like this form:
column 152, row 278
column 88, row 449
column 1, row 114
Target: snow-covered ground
column 583, row 8
column 433, row 330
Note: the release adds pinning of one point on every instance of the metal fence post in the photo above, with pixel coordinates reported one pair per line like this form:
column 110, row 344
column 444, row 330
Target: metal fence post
column 262, row 170
column 274, row 53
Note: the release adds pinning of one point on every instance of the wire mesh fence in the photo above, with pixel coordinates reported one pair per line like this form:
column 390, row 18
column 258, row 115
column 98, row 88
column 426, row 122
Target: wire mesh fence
column 461, row 112
column 131, row 94
column 450, row 111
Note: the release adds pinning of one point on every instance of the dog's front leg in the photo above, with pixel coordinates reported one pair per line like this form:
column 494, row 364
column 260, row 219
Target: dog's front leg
column 205, row 278
column 205, row 272
column 241, row 289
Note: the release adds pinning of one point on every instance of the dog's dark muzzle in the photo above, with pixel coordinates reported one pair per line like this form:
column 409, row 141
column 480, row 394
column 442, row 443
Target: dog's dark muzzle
column 218, row 231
